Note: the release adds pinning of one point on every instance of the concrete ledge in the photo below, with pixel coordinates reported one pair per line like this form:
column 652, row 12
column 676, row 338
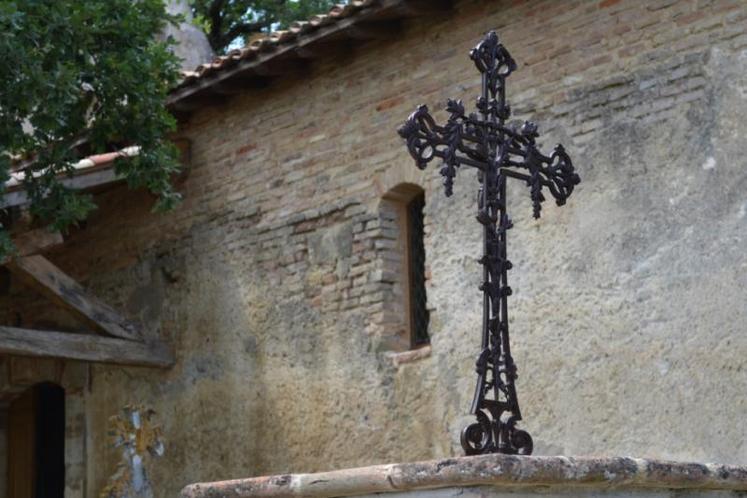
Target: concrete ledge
column 501, row 473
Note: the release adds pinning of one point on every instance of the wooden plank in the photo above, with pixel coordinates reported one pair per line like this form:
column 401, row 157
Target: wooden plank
column 41, row 274
column 13, row 198
column 93, row 348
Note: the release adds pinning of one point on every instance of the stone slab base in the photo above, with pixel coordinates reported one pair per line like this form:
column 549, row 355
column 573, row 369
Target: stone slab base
column 496, row 476
column 492, row 492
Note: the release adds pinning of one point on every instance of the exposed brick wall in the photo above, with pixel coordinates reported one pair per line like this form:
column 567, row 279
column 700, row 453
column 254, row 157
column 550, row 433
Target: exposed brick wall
column 391, row 254
column 391, row 318
column 273, row 279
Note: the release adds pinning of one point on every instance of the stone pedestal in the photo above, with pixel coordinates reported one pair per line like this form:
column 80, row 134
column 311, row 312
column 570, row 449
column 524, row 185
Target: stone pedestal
column 495, row 476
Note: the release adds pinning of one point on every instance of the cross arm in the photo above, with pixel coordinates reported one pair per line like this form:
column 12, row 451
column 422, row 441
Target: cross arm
column 457, row 143
column 555, row 172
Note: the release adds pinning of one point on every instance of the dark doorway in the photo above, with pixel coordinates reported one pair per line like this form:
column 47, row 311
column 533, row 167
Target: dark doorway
column 36, row 443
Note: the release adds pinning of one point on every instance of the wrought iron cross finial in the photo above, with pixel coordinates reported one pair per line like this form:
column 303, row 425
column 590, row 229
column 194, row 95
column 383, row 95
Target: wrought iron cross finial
column 483, row 141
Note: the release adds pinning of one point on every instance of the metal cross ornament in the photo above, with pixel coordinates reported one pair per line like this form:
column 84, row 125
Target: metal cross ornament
column 498, row 151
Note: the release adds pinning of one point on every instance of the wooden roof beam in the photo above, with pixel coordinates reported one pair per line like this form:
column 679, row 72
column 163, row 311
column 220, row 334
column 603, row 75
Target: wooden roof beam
column 40, row 274
column 69, row 346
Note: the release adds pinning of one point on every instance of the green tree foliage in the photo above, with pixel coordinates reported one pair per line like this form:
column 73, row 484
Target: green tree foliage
column 80, row 77
column 225, row 21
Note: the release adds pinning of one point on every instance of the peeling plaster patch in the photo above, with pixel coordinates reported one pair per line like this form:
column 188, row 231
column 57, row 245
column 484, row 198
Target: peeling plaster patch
column 709, row 164
column 138, row 438
column 742, row 211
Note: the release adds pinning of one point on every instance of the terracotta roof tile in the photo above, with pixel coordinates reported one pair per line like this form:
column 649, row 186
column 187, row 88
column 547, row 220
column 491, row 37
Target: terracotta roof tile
column 272, row 41
column 89, row 163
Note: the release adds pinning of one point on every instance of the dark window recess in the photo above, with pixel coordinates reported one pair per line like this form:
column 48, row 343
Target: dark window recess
column 50, row 441
column 419, row 316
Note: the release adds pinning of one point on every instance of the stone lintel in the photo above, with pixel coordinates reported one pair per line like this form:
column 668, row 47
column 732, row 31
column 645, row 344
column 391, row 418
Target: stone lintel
column 501, row 473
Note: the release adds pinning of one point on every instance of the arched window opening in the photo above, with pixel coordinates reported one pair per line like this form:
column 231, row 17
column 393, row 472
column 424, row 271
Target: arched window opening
column 36, row 443
column 403, row 259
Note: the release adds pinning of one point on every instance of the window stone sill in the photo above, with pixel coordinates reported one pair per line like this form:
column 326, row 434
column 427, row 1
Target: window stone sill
column 411, row 356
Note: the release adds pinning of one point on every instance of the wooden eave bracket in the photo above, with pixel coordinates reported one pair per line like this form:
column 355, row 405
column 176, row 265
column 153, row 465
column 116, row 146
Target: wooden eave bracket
column 125, row 346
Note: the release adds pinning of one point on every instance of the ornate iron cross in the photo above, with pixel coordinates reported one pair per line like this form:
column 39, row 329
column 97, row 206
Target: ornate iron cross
column 498, row 151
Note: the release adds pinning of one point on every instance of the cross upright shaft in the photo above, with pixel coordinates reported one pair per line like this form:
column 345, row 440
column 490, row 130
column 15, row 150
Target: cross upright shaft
column 498, row 152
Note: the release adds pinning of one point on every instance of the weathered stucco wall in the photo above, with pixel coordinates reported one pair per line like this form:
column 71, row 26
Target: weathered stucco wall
column 628, row 311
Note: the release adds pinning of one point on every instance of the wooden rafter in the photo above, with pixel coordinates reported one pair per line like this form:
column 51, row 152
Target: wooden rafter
column 25, row 342
column 126, row 348
column 39, row 273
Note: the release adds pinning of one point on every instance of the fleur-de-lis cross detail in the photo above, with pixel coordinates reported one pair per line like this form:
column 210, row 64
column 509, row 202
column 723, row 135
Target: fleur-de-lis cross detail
column 484, row 141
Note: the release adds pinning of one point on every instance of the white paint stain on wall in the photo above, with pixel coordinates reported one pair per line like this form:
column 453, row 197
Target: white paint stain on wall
column 139, row 440
column 709, row 164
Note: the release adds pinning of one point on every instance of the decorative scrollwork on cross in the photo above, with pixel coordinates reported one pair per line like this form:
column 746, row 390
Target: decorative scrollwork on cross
column 498, row 151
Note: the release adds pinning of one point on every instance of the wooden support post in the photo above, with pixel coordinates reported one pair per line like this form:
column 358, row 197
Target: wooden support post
column 41, row 274
column 27, row 342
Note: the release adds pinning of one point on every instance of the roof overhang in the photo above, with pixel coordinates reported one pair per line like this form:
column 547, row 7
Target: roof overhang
column 255, row 66
column 86, row 173
column 290, row 51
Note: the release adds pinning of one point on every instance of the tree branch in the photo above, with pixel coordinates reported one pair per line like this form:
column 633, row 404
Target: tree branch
column 243, row 29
